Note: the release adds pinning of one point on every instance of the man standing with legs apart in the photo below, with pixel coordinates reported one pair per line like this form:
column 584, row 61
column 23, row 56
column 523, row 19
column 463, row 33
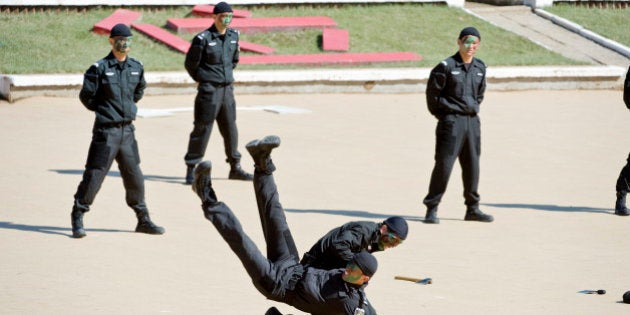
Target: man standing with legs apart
column 279, row 276
column 623, row 182
column 210, row 61
column 455, row 90
column 111, row 88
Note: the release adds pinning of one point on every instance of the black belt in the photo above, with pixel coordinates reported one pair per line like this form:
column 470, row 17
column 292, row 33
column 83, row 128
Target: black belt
column 224, row 84
column 115, row 124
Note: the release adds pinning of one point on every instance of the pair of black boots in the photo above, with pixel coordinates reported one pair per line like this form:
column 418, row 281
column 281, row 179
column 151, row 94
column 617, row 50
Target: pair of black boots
column 260, row 151
column 472, row 214
column 236, row 173
column 145, row 225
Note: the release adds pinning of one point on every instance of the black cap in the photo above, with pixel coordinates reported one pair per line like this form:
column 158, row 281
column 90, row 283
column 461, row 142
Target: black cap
column 469, row 31
column 626, row 297
column 120, row 30
column 397, row 225
column 366, row 262
column 221, row 7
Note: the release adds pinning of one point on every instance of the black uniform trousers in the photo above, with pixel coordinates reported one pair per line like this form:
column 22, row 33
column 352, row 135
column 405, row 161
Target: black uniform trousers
column 623, row 182
column 213, row 102
column 274, row 274
column 112, row 142
column 457, row 136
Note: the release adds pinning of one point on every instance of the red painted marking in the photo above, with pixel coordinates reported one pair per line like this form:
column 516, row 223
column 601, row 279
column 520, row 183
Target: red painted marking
column 119, row 16
column 206, row 10
column 252, row 25
column 336, row 58
column 335, row 39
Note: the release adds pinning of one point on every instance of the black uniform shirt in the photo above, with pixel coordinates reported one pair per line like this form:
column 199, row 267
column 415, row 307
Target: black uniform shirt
column 454, row 89
column 111, row 89
column 212, row 58
column 337, row 247
column 323, row 292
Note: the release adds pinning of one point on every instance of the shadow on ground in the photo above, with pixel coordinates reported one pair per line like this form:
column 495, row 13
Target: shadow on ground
column 549, row 207
column 352, row 213
column 65, row 231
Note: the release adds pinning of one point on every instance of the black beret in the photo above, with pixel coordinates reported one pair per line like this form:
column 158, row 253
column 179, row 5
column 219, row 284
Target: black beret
column 397, row 225
column 626, row 297
column 469, row 31
column 366, row 262
column 120, row 30
column 221, row 7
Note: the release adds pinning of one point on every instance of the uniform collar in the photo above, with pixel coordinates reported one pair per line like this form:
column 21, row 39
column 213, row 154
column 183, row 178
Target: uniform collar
column 460, row 63
column 112, row 61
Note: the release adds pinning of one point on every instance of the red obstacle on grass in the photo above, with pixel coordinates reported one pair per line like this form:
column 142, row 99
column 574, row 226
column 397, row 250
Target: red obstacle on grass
column 163, row 36
column 182, row 45
column 123, row 16
column 253, row 25
column 206, row 10
column 335, row 58
column 335, row 40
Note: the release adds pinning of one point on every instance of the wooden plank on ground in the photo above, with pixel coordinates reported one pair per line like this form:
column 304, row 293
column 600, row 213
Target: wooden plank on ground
column 334, row 58
column 335, row 39
column 206, row 11
column 253, row 25
column 123, row 16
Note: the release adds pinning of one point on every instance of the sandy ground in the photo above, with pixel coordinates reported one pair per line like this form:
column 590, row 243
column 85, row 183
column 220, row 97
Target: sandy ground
column 549, row 164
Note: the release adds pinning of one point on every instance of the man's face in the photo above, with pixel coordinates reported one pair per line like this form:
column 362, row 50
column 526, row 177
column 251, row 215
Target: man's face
column 468, row 45
column 354, row 275
column 388, row 239
column 121, row 44
column 223, row 20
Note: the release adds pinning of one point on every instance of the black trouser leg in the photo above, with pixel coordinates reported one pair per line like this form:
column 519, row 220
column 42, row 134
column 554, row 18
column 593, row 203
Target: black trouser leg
column 226, row 120
column 448, row 143
column 280, row 243
column 103, row 149
column 128, row 161
column 469, row 161
column 623, row 181
column 262, row 271
column 207, row 104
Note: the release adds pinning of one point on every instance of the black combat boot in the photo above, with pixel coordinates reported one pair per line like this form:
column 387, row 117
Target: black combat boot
column 189, row 174
column 260, row 151
column 236, row 172
column 474, row 214
column 202, row 185
column 145, row 225
column 620, row 204
column 77, row 223
column 431, row 216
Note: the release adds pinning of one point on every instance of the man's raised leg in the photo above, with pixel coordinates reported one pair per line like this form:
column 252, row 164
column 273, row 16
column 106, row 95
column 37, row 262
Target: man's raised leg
column 259, row 268
column 280, row 244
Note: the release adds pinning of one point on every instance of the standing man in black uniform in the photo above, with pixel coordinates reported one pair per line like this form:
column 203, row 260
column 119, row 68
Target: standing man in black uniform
column 338, row 246
column 279, row 276
column 623, row 182
column 210, row 61
column 111, row 88
column 455, row 90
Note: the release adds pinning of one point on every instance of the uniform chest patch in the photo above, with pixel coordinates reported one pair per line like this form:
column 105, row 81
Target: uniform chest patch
column 109, row 74
column 135, row 73
column 480, row 74
column 233, row 42
column 455, row 72
column 212, row 43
